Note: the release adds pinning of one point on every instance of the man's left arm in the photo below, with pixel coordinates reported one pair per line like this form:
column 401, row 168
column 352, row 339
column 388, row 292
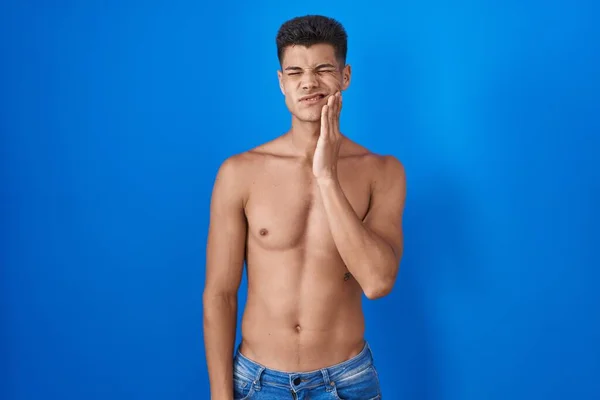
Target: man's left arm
column 372, row 248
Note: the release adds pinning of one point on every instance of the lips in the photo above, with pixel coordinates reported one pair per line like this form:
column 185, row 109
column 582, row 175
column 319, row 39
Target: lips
column 312, row 98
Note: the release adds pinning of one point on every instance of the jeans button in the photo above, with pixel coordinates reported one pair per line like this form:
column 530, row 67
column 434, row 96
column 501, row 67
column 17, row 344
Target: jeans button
column 297, row 381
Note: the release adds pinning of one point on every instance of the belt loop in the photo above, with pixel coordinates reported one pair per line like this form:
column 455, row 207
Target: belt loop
column 328, row 383
column 256, row 381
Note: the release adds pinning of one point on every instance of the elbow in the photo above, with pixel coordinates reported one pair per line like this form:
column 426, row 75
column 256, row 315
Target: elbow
column 379, row 288
column 377, row 292
column 381, row 285
column 218, row 299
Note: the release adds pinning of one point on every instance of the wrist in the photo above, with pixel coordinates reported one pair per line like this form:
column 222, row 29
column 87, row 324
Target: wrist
column 327, row 175
column 326, row 180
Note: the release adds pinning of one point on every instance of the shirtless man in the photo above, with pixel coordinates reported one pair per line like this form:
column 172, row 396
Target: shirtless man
column 318, row 220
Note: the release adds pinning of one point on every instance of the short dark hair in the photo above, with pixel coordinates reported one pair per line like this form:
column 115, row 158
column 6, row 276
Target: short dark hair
column 313, row 29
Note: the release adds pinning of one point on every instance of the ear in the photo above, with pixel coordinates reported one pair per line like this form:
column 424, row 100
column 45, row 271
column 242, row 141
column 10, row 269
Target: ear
column 346, row 76
column 280, row 78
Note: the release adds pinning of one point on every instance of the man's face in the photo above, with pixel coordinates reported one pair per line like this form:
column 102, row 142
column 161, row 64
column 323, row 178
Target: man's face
column 308, row 76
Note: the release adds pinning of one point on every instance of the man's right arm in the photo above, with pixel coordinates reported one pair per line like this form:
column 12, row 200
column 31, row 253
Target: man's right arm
column 224, row 264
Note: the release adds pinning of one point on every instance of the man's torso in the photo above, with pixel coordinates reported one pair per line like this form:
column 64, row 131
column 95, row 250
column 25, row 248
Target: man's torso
column 303, row 309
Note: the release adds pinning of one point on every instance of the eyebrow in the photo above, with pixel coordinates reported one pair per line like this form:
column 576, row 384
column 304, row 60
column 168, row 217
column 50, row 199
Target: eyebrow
column 320, row 66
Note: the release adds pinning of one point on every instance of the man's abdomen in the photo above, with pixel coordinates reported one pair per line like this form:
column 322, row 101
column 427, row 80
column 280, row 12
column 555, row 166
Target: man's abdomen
column 303, row 318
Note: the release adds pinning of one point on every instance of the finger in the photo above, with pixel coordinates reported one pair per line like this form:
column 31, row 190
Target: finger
column 338, row 111
column 331, row 115
column 336, row 116
column 334, row 104
column 339, row 108
column 324, row 120
column 330, row 101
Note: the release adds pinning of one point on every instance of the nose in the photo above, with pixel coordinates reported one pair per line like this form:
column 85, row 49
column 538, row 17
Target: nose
column 309, row 80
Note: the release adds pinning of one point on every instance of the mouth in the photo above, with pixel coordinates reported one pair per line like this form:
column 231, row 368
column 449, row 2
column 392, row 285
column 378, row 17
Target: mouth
column 313, row 98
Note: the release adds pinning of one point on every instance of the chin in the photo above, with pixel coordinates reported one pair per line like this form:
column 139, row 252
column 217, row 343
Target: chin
column 309, row 116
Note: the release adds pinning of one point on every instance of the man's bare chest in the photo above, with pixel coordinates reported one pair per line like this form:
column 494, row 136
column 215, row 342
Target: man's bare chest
column 285, row 207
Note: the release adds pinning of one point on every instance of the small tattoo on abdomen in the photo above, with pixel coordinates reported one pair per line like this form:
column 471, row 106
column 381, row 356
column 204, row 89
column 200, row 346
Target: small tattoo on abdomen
column 347, row 276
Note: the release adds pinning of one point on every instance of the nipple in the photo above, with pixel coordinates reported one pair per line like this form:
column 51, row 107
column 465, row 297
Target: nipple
column 263, row 232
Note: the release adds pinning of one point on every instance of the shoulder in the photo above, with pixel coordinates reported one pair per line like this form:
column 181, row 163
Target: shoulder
column 233, row 167
column 388, row 166
column 387, row 180
column 231, row 180
column 237, row 172
column 379, row 166
column 387, row 175
column 242, row 164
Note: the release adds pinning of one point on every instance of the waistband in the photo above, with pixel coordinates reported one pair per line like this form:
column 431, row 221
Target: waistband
column 260, row 374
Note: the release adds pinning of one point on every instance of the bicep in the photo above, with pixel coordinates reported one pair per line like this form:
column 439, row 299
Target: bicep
column 387, row 205
column 226, row 233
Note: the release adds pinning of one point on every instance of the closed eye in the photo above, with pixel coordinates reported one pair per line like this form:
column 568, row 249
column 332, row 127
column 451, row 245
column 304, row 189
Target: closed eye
column 318, row 72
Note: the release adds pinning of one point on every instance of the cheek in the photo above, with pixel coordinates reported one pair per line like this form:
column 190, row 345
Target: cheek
column 289, row 100
column 335, row 84
column 287, row 94
column 289, row 90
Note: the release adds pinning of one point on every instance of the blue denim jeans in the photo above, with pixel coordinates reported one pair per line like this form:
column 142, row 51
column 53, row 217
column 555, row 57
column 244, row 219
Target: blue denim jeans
column 354, row 379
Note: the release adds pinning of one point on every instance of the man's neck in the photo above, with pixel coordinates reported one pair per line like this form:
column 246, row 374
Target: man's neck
column 303, row 137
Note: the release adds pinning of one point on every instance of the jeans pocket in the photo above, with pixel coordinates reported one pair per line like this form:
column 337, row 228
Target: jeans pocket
column 243, row 387
column 363, row 385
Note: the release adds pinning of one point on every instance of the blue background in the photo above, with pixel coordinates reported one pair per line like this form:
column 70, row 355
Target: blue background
column 116, row 115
